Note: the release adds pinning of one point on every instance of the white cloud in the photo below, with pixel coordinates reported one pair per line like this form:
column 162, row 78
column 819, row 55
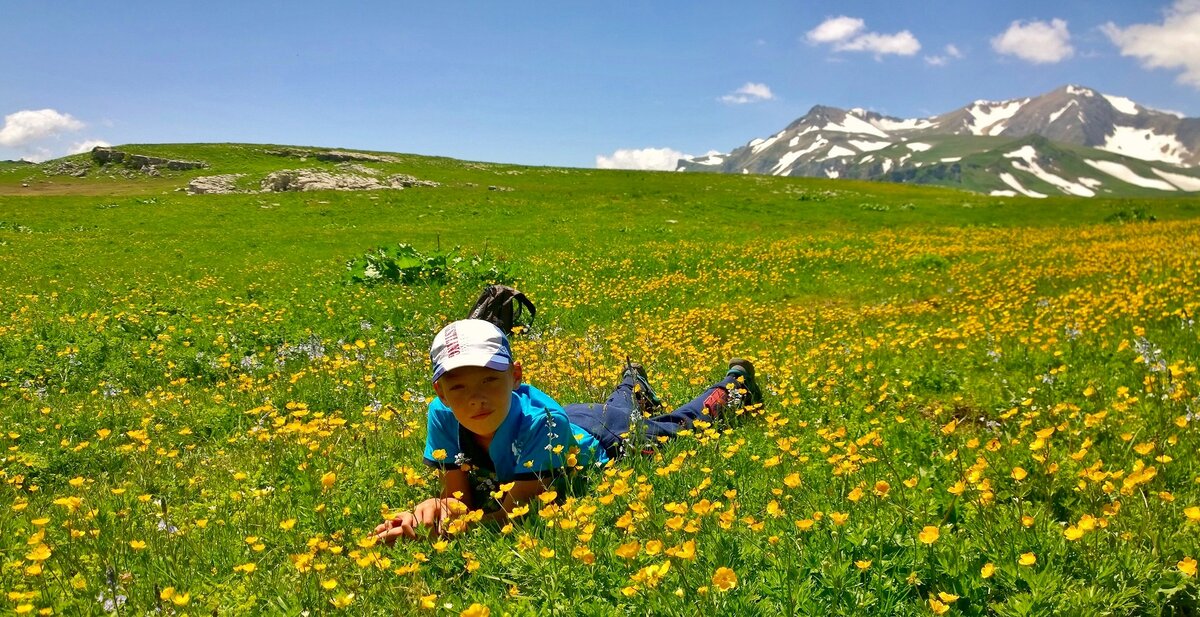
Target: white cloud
column 1173, row 44
column 1036, row 41
column 836, row 29
column 951, row 53
column 23, row 128
column 87, row 145
column 847, row 34
column 660, row 159
column 749, row 93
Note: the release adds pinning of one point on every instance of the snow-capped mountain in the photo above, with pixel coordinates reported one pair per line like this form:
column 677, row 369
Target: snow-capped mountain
column 1073, row 141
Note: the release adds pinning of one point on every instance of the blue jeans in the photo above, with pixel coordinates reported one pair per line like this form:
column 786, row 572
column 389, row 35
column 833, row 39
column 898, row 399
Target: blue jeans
column 613, row 421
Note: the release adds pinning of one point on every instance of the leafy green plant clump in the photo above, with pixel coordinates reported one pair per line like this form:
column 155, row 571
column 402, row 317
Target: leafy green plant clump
column 405, row 265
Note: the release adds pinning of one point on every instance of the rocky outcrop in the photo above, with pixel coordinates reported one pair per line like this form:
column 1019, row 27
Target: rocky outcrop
column 334, row 156
column 77, row 169
column 107, row 156
column 214, row 185
column 317, row 180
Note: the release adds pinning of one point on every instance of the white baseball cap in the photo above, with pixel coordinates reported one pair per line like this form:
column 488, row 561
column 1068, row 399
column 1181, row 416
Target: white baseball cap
column 470, row 342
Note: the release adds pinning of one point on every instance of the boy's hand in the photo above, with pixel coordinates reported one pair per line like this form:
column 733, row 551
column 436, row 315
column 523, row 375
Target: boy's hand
column 432, row 513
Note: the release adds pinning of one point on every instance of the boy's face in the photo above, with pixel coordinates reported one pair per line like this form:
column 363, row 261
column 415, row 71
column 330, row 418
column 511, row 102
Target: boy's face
column 478, row 396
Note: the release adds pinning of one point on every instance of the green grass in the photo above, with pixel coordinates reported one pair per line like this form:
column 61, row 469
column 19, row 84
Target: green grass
column 158, row 362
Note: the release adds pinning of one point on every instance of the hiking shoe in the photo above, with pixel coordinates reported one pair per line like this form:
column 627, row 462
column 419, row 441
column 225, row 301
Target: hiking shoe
column 647, row 400
column 745, row 369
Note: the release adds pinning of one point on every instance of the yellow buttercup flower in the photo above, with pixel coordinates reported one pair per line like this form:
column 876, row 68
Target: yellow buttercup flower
column 1027, row 559
column 987, row 570
column 1187, row 566
column 929, row 534
column 724, row 579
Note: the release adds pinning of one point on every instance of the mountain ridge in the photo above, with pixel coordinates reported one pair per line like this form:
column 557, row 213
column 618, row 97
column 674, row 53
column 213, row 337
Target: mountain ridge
column 1131, row 148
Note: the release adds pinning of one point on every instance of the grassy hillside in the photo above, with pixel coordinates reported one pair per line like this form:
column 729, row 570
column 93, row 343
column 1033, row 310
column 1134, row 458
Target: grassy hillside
column 973, row 405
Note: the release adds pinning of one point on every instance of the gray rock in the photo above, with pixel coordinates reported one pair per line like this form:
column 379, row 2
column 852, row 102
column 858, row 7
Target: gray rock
column 106, row 156
column 210, row 185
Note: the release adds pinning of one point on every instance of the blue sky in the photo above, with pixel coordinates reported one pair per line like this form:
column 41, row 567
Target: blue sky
column 553, row 83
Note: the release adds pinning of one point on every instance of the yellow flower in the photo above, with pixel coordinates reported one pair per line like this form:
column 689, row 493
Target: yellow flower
column 882, row 488
column 724, row 579
column 792, row 480
column 938, row 607
column 839, row 518
column 342, row 601
column 1019, row 473
column 41, row 552
column 1027, row 520
column 946, row 597
column 629, row 550
column 429, row 602
column 805, row 524
column 987, row 570
column 439, row 454
column 328, row 479
column 1192, row 514
column 1188, row 566
column 329, row 583
column 863, row 564
column 929, row 534
column 137, row 545
column 246, row 567
column 476, row 610
column 288, row 524
column 1027, row 559
column 1073, row 533
column 686, row 551
column 546, row 553
column 24, row 608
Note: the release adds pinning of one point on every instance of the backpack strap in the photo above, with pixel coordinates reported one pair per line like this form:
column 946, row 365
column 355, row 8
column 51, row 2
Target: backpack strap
column 503, row 306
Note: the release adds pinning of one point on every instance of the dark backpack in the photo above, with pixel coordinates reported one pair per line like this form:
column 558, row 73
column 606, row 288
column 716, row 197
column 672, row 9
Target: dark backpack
column 505, row 307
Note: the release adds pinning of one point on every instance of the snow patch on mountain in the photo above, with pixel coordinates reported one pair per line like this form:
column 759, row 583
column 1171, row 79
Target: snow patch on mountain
column 1145, row 144
column 1003, row 193
column 1122, row 104
column 1126, row 174
column 763, row 144
column 889, row 124
column 1078, row 91
column 1008, row 179
column 951, row 159
column 1185, row 183
column 987, row 117
column 832, row 173
column 853, row 124
column 1054, row 116
column 1026, row 153
column 1062, row 184
column 869, row 146
column 917, row 146
column 785, row 163
column 838, row 151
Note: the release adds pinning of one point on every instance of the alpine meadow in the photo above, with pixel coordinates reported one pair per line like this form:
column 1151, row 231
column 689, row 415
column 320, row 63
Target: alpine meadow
column 973, row 405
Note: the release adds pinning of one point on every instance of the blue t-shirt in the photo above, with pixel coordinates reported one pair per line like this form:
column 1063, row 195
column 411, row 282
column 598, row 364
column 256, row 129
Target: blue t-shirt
column 535, row 440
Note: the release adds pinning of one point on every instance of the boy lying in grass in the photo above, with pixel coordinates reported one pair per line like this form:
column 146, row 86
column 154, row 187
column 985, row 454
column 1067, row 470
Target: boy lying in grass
column 497, row 439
